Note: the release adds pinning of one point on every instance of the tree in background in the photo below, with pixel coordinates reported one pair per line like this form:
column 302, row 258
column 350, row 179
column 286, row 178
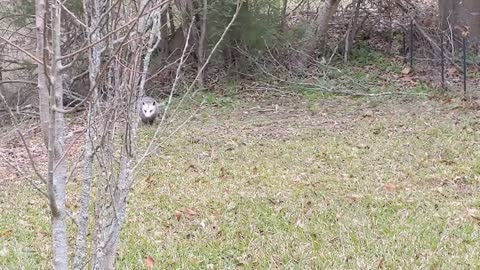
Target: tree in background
column 455, row 14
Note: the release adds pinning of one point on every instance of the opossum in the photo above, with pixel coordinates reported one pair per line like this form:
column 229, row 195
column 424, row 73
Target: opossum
column 149, row 110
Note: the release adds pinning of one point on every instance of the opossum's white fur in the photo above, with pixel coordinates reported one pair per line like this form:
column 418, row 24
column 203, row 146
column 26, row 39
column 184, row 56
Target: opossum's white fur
column 148, row 109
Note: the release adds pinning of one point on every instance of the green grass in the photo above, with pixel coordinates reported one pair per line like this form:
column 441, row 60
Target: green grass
column 371, row 71
column 363, row 56
column 346, row 186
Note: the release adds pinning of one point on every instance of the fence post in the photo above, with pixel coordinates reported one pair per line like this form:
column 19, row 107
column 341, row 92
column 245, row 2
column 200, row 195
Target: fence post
column 404, row 46
column 411, row 44
column 465, row 67
column 442, row 59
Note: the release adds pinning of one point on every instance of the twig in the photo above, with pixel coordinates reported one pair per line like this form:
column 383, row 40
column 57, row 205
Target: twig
column 32, row 183
column 133, row 23
column 22, row 50
column 18, row 81
column 15, row 123
column 71, row 14
column 29, row 180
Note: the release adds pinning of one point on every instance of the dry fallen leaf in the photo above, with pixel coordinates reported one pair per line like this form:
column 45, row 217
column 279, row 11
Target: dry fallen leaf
column 186, row 212
column 255, row 171
column 6, row 233
column 367, row 114
column 381, row 263
column 474, row 214
column 149, row 180
column 390, row 187
column 354, row 197
column 447, row 101
column 191, row 167
column 406, row 70
column 190, row 212
column 223, row 173
column 451, row 71
column 464, row 30
column 408, row 79
column 178, row 215
column 150, row 262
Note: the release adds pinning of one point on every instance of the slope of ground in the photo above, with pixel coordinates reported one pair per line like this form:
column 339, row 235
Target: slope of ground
column 292, row 183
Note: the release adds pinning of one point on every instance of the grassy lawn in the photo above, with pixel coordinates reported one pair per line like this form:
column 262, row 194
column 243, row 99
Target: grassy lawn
column 292, row 183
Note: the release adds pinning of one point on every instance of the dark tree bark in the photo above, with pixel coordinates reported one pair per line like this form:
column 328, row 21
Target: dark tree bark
column 317, row 39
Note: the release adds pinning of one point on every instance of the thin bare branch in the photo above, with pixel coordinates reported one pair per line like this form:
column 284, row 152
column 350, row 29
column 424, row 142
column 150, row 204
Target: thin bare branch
column 77, row 20
column 22, row 50
column 130, row 24
column 15, row 123
column 23, row 175
column 101, row 73
column 17, row 81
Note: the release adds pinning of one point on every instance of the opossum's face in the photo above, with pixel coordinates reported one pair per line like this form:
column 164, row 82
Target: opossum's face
column 148, row 109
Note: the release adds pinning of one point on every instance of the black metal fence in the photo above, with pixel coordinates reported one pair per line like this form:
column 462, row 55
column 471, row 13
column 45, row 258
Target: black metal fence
column 445, row 55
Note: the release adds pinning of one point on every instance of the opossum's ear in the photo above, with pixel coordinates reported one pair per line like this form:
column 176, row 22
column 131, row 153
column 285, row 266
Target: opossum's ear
column 143, row 103
column 154, row 103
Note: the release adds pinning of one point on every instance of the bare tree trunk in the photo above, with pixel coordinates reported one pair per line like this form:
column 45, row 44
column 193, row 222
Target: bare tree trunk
column 115, row 182
column 318, row 34
column 120, row 114
column 324, row 16
column 189, row 14
column 170, row 20
column 92, row 11
column 125, row 180
column 111, row 208
column 164, row 34
column 83, row 220
column 352, row 29
column 283, row 15
column 40, row 23
column 201, row 45
column 57, row 169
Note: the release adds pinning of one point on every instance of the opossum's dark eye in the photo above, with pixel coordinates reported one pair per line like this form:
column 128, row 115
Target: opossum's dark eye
column 151, row 110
